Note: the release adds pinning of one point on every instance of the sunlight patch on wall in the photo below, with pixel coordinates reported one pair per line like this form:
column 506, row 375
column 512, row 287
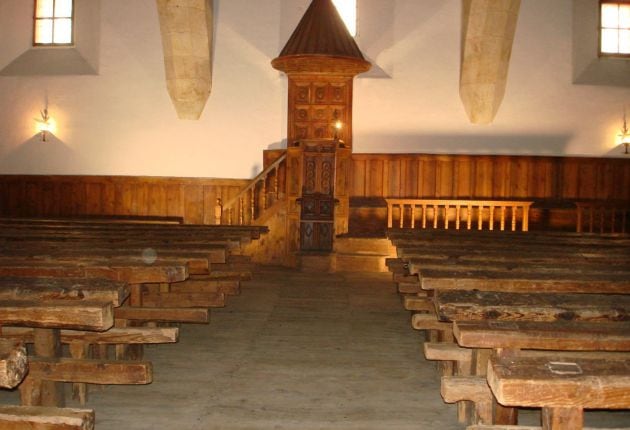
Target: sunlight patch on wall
column 348, row 11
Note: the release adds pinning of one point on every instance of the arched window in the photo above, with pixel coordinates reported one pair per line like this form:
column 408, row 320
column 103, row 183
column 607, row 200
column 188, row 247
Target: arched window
column 614, row 28
column 53, row 22
column 348, row 11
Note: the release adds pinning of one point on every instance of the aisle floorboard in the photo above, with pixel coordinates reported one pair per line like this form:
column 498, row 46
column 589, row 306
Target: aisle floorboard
column 293, row 351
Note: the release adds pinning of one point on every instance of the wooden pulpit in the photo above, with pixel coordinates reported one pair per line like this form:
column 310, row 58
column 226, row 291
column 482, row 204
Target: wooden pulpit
column 318, row 193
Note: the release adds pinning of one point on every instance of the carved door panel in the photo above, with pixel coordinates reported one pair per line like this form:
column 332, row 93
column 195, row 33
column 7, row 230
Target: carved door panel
column 318, row 199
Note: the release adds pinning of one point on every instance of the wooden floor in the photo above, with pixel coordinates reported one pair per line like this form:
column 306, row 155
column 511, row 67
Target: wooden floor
column 293, row 351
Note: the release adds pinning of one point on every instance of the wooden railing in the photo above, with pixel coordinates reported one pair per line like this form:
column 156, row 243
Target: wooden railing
column 262, row 192
column 603, row 217
column 418, row 213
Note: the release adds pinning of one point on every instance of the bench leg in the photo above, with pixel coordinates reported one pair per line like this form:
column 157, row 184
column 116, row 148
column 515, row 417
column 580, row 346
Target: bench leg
column 47, row 344
column 505, row 415
column 466, row 413
column 562, row 418
column 79, row 389
column 132, row 352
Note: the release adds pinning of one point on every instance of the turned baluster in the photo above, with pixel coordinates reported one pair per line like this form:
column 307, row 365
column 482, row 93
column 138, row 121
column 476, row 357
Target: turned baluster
column 275, row 184
column 446, row 207
column 402, row 214
column 480, row 217
column 241, row 210
column 469, row 216
column 435, row 216
column 424, row 216
column 264, row 193
column 252, row 204
column 413, row 215
column 525, row 218
column 457, row 216
column 514, row 208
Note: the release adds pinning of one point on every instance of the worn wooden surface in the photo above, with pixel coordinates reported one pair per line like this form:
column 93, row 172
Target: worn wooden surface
column 125, row 270
column 544, row 382
column 13, row 363
column 91, row 371
column 45, row 418
column 57, row 314
column 557, row 335
column 124, row 335
column 465, row 305
column 44, row 289
column 164, row 314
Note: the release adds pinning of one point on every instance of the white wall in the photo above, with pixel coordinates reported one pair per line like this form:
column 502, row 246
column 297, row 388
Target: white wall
column 121, row 121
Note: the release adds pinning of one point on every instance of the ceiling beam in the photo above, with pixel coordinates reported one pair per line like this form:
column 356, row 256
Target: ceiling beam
column 488, row 29
column 186, row 27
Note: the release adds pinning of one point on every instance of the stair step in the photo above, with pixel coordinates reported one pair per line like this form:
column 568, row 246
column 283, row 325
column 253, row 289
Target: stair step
column 367, row 246
column 361, row 263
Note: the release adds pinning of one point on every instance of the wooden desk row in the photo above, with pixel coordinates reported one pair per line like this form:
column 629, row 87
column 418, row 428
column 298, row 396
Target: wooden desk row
column 507, row 292
column 94, row 284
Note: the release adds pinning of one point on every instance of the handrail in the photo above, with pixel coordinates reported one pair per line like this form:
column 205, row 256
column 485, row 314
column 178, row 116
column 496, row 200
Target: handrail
column 603, row 217
column 238, row 202
column 469, row 205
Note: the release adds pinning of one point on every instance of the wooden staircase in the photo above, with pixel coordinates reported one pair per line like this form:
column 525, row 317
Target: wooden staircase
column 263, row 202
column 362, row 254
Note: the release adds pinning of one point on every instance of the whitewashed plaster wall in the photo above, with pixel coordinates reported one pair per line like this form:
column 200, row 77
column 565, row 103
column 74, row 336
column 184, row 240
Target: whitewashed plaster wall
column 120, row 120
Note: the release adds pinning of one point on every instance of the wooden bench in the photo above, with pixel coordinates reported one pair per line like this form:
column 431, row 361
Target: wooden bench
column 482, row 276
column 557, row 335
column 563, row 389
column 148, row 258
column 45, row 418
column 441, row 212
column 469, row 305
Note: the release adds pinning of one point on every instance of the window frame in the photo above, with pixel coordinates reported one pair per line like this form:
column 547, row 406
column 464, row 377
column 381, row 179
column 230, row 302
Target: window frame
column 600, row 28
column 53, row 44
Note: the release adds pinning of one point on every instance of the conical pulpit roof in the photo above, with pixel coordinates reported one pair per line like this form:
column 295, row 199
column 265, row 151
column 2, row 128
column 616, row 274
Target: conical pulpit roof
column 321, row 34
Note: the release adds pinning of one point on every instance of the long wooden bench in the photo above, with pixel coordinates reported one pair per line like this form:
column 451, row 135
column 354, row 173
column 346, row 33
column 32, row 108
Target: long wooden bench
column 557, row 335
column 145, row 259
column 489, row 278
column 563, row 389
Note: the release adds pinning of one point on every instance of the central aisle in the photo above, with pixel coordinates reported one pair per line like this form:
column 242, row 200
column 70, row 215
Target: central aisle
column 293, row 351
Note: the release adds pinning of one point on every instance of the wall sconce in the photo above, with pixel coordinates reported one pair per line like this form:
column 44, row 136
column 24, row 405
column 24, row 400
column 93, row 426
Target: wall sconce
column 44, row 125
column 624, row 136
column 337, row 125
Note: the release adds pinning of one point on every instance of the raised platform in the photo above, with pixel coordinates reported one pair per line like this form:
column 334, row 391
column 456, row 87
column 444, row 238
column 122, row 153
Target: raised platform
column 351, row 254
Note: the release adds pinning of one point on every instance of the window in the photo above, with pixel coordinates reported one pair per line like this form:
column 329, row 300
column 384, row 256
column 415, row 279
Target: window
column 348, row 11
column 615, row 28
column 53, row 22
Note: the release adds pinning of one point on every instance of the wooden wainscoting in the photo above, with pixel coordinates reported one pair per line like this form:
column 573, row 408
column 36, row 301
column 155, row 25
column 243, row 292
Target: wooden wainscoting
column 490, row 176
column 191, row 198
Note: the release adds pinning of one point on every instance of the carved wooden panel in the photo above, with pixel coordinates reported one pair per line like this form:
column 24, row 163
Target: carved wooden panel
column 318, row 200
column 315, row 105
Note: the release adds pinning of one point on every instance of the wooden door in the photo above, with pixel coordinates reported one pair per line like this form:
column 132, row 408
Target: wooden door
column 317, row 213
